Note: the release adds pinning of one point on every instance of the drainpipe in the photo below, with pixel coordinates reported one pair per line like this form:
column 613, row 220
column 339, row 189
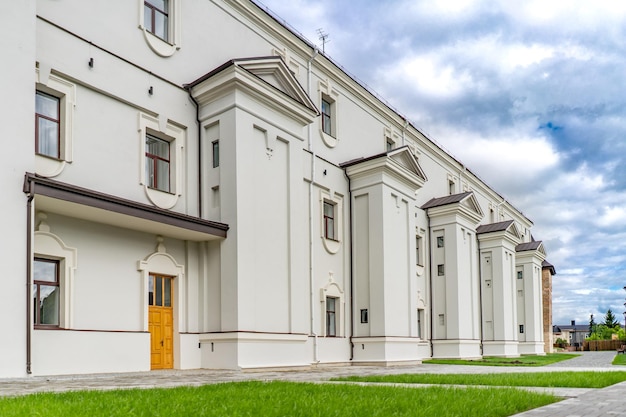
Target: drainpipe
column 406, row 124
column 311, row 249
column 430, row 286
column 30, row 187
column 352, row 315
column 199, row 153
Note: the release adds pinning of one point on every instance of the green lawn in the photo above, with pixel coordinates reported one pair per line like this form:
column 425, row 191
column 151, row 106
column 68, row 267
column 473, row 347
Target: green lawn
column 524, row 360
column 279, row 399
column 534, row 379
column 620, row 359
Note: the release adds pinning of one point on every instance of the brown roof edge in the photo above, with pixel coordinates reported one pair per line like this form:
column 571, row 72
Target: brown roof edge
column 74, row 194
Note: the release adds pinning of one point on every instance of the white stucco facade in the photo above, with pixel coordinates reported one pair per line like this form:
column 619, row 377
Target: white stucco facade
column 290, row 233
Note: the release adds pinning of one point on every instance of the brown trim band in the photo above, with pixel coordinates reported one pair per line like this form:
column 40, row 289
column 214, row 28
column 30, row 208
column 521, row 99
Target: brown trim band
column 62, row 191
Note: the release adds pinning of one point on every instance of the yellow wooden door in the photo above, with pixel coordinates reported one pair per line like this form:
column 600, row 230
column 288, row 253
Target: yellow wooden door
column 161, row 322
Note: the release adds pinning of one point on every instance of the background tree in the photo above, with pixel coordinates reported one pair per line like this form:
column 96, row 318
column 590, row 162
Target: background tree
column 592, row 325
column 609, row 319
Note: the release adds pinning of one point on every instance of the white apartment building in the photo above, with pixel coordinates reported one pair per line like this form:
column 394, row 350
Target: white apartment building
column 190, row 184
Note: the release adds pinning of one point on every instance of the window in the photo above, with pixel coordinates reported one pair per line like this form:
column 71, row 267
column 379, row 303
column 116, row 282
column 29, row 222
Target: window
column 390, row 144
column 420, row 323
column 329, row 221
column 440, row 241
column 364, row 315
column 160, row 291
column 156, row 18
column 521, row 328
column 440, row 270
column 157, row 163
column 331, row 316
column 520, row 274
column 216, row 154
column 442, row 320
column 418, row 247
column 46, row 298
column 47, row 125
column 451, row 187
column 327, row 119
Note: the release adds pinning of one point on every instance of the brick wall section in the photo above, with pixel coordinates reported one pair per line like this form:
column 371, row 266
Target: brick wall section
column 546, row 286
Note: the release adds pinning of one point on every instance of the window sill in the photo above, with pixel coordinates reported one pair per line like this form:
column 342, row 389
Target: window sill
column 159, row 46
column 161, row 199
column 328, row 140
column 332, row 246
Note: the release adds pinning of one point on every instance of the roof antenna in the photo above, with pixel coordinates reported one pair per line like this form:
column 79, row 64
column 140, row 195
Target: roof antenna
column 324, row 38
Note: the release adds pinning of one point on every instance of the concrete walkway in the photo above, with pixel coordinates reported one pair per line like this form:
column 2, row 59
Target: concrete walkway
column 609, row 401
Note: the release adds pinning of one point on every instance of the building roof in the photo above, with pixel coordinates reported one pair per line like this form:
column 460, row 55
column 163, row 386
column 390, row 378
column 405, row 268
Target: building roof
column 442, row 201
column 494, row 227
column 548, row 265
column 527, row 246
column 557, row 328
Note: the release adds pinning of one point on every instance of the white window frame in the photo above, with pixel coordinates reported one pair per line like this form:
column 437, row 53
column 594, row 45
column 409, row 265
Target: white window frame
column 174, row 134
column 162, row 47
column 333, row 290
column 330, row 95
column 50, row 246
column 65, row 91
column 332, row 245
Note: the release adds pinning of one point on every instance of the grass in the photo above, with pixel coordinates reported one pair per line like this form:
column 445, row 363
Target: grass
column 524, row 360
column 279, row 399
column 534, row 379
column 620, row 359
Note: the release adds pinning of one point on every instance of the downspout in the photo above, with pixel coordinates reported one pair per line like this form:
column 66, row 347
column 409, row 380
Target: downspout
column 199, row 153
column 406, row 124
column 311, row 249
column 30, row 187
column 430, row 286
column 351, row 267
column 480, row 295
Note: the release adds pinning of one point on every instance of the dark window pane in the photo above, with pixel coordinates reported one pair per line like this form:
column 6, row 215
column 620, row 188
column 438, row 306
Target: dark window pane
column 45, row 270
column 216, row 154
column 46, row 105
column 151, row 291
column 49, row 304
column 167, row 292
column 159, row 291
column 163, row 175
column 48, row 137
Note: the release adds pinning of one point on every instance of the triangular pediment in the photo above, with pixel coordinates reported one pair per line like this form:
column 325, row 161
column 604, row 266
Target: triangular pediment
column 535, row 245
column 507, row 226
column 275, row 72
column 465, row 203
column 399, row 163
column 405, row 158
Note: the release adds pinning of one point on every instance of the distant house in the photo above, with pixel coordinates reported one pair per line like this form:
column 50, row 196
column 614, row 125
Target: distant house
column 575, row 334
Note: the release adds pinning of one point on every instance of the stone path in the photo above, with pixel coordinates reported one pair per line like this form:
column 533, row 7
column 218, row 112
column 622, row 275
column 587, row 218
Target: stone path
column 610, row 401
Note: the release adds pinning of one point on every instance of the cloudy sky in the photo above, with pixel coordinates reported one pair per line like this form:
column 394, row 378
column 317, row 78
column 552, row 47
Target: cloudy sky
column 530, row 95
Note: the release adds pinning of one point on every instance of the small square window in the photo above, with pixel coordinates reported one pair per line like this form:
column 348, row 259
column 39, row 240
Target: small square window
column 329, row 221
column 440, row 241
column 216, row 154
column 442, row 320
column 440, row 270
column 158, row 163
column 521, row 328
column 47, row 125
column 156, row 18
column 364, row 315
column 520, row 274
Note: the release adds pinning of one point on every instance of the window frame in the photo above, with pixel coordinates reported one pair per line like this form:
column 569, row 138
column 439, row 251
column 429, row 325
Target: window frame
column 332, row 315
column 327, row 116
column 153, row 10
column 152, row 182
column 328, row 219
column 49, row 84
column 215, row 147
column 36, row 289
column 162, row 47
column 57, row 122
